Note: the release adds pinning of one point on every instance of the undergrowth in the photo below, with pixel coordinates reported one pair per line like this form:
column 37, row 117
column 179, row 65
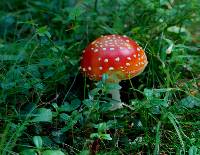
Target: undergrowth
column 48, row 107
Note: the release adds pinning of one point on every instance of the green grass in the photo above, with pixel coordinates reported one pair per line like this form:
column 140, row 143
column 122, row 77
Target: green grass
column 48, row 106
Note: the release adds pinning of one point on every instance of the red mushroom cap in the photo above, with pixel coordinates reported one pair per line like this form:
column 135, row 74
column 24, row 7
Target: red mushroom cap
column 118, row 56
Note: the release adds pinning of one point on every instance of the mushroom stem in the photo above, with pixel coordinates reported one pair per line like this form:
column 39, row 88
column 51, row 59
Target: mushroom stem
column 116, row 100
column 115, row 94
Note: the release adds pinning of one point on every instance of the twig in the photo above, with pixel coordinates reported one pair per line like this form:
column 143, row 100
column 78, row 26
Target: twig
column 128, row 106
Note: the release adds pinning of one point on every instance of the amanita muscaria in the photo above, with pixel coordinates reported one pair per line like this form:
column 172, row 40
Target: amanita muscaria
column 118, row 56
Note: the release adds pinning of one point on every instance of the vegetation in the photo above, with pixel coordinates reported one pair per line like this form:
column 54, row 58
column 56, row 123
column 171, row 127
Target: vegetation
column 48, row 107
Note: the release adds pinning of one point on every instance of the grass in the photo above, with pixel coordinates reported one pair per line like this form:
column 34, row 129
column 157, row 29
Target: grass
column 48, row 107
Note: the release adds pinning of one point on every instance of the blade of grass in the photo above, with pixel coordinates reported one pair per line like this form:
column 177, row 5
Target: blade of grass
column 173, row 120
column 4, row 137
column 157, row 145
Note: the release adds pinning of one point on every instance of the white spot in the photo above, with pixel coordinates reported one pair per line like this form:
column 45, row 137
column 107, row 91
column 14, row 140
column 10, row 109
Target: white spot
column 117, row 59
column 92, row 48
column 84, row 69
column 139, row 63
column 128, row 64
column 138, row 55
column 104, row 49
column 124, row 36
column 121, row 48
column 96, row 50
column 129, row 48
column 101, row 45
column 83, row 51
column 111, row 68
column 136, row 65
column 127, row 41
column 121, row 67
column 142, row 63
column 105, row 60
column 99, row 59
column 134, row 55
column 138, row 49
column 100, row 68
column 111, row 49
column 128, row 58
column 81, row 58
column 89, row 68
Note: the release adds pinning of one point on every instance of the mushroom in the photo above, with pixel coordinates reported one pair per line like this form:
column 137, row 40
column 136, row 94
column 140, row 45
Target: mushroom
column 118, row 56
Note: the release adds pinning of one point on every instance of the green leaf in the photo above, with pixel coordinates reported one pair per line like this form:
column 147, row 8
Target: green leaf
column 118, row 24
column 54, row 49
column 7, row 85
column 37, row 140
column 48, row 74
column 75, row 12
column 84, row 152
column 105, row 77
column 111, row 124
column 176, row 29
column 190, row 102
column 193, row 150
column 64, row 117
column 95, row 91
column 6, row 57
column 164, row 2
column 55, row 106
column 88, row 102
column 28, row 152
column 73, row 119
column 94, row 135
column 46, row 62
column 106, row 137
column 148, row 93
column 33, row 70
column 42, row 115
column 66, row 107
column 53, row 152
column 39, row 86
column 42, row 31
column 101, row 127
column 75, row 104
column 101, row 136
